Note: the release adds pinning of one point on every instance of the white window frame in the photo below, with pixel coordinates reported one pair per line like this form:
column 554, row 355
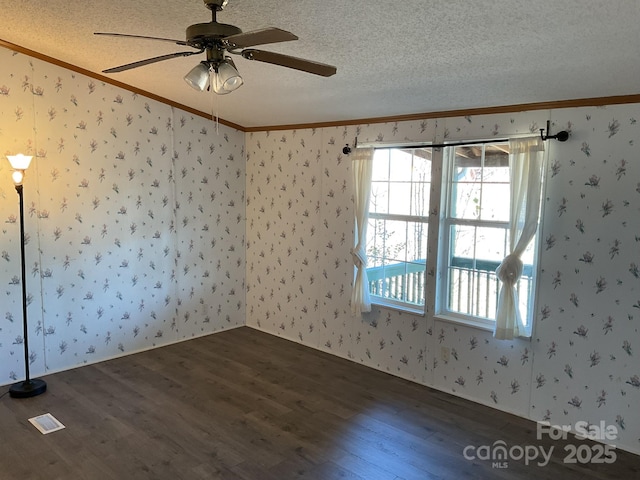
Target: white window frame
column 438, row 243
column 418, row 309
column 445, row 251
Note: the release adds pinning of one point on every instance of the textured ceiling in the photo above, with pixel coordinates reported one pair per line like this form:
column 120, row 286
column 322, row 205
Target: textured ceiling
column 393, row 58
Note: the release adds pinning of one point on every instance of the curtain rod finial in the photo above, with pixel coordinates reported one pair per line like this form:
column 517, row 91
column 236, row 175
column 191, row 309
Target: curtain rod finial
column 562, row 136
column 347, row 149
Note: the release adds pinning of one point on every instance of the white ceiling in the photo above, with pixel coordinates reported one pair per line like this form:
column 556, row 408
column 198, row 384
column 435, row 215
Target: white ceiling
column 393, row 58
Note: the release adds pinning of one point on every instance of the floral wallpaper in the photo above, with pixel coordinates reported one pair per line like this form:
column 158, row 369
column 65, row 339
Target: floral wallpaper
column 586, row 351
column 581, row 363
column 134, row 221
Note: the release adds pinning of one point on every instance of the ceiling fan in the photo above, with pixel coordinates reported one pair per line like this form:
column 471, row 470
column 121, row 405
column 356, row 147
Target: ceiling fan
column 218, row 71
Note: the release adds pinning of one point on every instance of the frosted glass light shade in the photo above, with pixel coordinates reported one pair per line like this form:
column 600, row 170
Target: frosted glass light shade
column 226, row 78
column 20, row 161
column 198, row 77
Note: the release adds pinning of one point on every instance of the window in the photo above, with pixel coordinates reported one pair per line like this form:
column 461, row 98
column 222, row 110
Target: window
column 397, row 227
column 472, row 196
column 474, row 232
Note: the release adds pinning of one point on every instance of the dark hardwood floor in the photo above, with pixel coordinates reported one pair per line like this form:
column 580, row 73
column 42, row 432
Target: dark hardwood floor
column 245, row 405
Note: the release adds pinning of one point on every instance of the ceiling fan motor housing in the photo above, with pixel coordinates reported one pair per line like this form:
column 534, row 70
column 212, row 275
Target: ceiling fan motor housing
column 206, row 34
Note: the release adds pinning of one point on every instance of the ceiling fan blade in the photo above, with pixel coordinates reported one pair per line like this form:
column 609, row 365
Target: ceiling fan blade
column 178, row 42
column 309, row 66
column 148, row 61
column 258, row 37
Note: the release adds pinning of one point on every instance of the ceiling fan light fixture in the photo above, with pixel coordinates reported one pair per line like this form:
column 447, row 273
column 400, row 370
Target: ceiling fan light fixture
column 226, row 78
column 198, row 77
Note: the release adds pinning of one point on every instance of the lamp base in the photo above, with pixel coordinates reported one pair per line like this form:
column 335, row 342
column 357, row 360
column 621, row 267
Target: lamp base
column 28, row 388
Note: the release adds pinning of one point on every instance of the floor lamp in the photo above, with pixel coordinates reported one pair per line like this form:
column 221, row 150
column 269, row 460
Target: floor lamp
column 30, row 387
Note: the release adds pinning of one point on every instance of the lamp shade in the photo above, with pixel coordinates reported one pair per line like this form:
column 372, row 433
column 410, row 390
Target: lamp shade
column 227, row 79
column 198, row 77
column 20, row 161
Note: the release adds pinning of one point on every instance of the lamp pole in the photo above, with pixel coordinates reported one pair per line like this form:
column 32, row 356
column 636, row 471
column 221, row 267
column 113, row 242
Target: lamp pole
column 29, row 387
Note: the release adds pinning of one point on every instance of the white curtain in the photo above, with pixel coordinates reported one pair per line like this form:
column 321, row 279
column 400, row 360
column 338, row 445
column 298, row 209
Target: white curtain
column 525, row 168
column 362, row 168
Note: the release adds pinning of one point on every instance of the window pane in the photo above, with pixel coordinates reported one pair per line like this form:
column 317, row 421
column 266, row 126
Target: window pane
column 400, row 198
column 529, row 254
column 473, row 292
column 468, row 157
column 386, row 239
column 463, row 241
column 416, row 242
column 401, row 281
column 396, row 240
column 495, row 202
column 497, row 156
column 421, row 178
column 466, row 185
column 462, row 292
column 401, row 165
column 473, row 286
column 496, row 174
column 495, row 183
column 420, row 192
column 491, row 244
column 481, row 183
column 422, row 165
column 460, row 268
column 379, row 200
column 377, row 282
column 380, row 165
column 375, row 243
column 466, row 202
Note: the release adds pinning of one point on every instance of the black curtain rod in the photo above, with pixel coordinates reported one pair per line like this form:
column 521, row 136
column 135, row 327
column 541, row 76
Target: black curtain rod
column 347, row 149
column 560, row 136
column 441, row 145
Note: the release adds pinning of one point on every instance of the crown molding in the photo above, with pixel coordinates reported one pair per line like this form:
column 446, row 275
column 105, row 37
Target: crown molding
column 522, row 107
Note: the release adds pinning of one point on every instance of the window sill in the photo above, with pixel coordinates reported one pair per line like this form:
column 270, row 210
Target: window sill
column 401, row 307
column 484, row 325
